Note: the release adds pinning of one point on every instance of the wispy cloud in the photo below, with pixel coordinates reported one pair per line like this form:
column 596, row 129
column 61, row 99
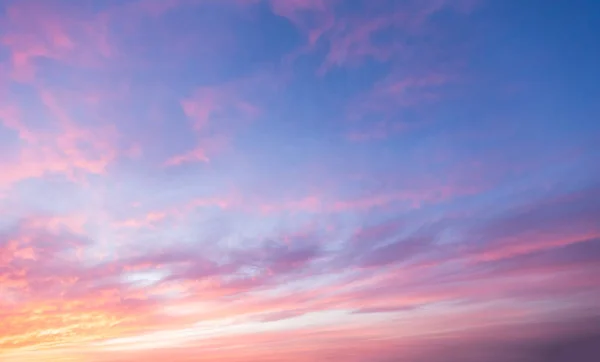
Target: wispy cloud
column 274, row 180
column 65, row 34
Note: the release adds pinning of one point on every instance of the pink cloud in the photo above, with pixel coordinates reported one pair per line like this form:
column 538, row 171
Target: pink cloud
column 378, row 232
column 551, row 223
column 352, row 42
column 176, row 212
column 196, row 278
column 306, row 204
column 337, row 289
column 42, row 278
column 209, row 104
column 74, row 223
column 38, row 30
column 10, row 117
column 411, row 197
column 313, row 16
column 216, row 114
column 493, row 343
column 387, row 98
column 195, row 155
column 354, row 39
column 351, row 39
column 62, row 146
column 149, row 220
column 515, row 247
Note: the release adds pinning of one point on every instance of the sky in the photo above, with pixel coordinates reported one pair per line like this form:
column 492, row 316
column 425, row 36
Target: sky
column 299, row 180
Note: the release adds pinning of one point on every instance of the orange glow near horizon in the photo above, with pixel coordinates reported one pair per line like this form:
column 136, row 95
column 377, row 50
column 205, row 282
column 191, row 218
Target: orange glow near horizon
column 296, row 180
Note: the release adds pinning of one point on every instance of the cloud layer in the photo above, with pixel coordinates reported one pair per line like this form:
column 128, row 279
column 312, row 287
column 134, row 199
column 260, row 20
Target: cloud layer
column 296, row 180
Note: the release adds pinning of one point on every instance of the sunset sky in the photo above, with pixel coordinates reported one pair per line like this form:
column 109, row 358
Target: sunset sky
column 297, row 180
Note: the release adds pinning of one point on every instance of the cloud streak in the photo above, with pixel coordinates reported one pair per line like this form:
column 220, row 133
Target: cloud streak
column 295, row 181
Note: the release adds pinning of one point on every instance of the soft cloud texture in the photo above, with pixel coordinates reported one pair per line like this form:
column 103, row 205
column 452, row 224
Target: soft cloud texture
column 298, row 180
